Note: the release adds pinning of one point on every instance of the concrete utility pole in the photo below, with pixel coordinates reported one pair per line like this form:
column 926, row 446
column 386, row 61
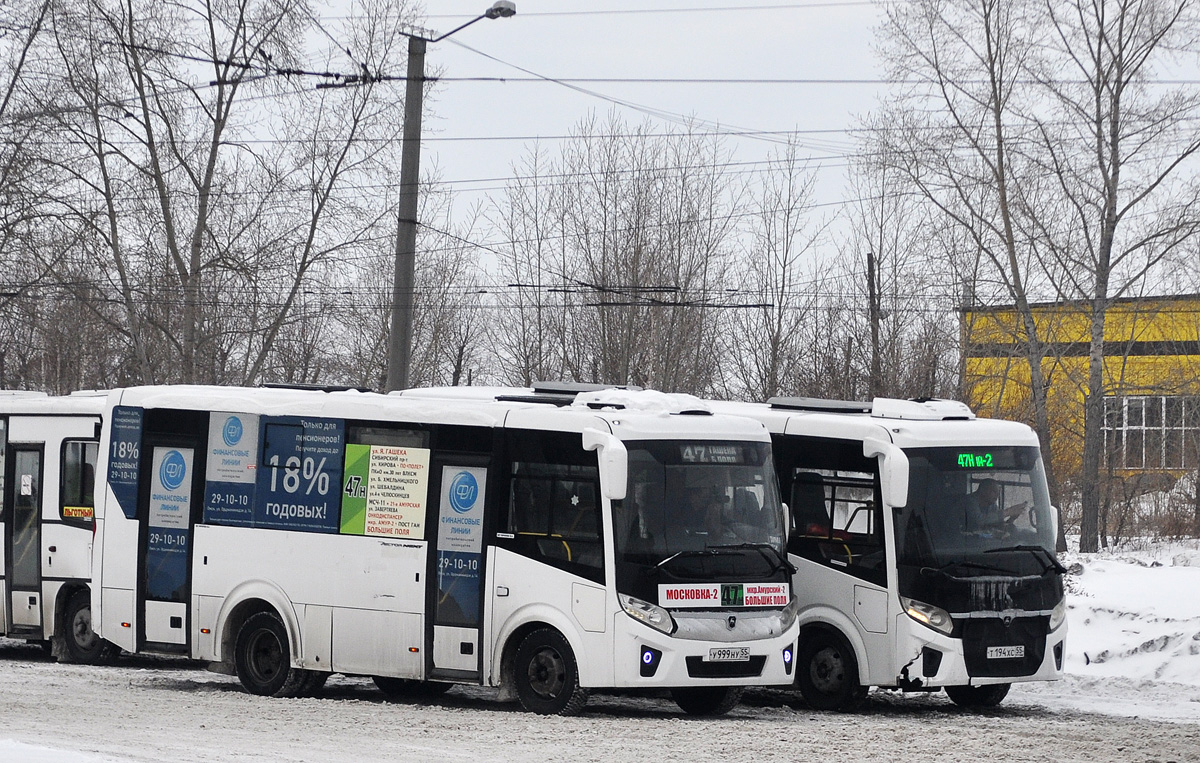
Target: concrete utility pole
column 403, row 283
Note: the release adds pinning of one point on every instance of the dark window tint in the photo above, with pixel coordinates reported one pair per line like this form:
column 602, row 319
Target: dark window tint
column 554, row 502
column 77, row 501
column 833, row 494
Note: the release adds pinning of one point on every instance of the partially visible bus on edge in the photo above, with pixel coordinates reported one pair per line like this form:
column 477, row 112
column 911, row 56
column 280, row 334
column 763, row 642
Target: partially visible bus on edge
column 283, row 535
column 923, row 539
column 47, row 470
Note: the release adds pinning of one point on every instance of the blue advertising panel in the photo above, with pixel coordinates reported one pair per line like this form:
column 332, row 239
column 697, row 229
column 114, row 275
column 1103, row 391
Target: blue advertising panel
column 460, row 545
column 230, row 477
column 124, row 457
column 168, row 524
column 299, row 481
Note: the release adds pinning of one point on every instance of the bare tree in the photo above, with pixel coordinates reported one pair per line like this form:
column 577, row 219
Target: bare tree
column 1116, row 147
column 211, row 215
column 633, row 244
column 766, row 346
column 959, row 133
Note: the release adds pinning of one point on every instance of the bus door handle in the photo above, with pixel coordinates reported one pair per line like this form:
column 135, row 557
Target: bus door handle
column 502, row 590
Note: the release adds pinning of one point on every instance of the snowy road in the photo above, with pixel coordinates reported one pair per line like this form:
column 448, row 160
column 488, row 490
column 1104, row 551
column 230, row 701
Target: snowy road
column 160, row 709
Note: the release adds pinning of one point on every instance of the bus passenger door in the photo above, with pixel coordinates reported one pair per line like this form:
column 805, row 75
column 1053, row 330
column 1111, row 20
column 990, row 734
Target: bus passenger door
column 169, row 494
column 23, row 539
column 457, row 562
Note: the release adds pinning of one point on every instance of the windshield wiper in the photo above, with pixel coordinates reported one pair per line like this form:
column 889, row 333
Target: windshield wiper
column 780, row 561
column 1049, row 563
column 963, row 565
column 707, row 551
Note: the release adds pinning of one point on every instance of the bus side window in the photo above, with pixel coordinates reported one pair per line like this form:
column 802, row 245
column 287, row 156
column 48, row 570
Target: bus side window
column 837, row 522
column 554, row 509
column 77, row 482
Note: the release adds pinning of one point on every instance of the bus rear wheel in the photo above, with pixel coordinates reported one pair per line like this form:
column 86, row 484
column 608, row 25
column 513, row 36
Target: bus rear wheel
column 77, row 642
column 978, row 696
column 827, row 673
column 547, row 676
column 408, row 688
column 263, row 658
column 707, row 700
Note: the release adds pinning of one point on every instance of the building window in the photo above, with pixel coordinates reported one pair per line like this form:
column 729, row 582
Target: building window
column 1152, row 432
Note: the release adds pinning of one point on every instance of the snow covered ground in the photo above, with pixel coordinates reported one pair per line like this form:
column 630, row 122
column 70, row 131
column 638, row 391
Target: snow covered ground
column 1132, row 693
column 1133, row 648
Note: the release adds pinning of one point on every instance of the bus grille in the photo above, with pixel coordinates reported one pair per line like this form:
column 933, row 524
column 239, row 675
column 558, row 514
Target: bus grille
column 698, row 668
column 979, row 634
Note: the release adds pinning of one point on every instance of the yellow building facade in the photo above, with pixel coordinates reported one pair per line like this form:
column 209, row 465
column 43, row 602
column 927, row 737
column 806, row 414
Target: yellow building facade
column 1151, row 378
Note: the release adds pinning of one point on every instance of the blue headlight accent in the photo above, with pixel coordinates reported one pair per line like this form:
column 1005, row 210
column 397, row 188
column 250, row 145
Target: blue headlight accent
column 650, row 661
column 787, row 660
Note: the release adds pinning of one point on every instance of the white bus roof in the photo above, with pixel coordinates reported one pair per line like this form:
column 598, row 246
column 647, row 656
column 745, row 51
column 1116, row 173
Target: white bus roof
column 928, row 424
column 630, row 415
column 14, row 402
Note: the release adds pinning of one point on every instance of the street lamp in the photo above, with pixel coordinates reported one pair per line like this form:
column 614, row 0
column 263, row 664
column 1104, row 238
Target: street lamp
column 403, row 292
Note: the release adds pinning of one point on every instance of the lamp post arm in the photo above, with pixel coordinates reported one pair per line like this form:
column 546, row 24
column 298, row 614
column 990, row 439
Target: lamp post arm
column 459, row 28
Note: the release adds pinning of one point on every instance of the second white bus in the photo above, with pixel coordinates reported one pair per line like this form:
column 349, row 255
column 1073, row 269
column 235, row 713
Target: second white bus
column 923, row 539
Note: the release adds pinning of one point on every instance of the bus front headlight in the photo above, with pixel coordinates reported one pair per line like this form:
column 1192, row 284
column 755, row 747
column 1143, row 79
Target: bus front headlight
column 1058, row 615
column 650, row 614
column 927, row 614
column 787, row 615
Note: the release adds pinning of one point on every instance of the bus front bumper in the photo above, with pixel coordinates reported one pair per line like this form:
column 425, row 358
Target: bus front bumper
column 930, row 659
column 648, row 658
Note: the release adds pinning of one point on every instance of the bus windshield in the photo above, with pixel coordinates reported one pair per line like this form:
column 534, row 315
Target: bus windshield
column 977, row 504
column 698, row 511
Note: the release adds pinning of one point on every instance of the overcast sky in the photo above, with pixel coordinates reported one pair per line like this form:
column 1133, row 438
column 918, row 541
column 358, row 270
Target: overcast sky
column 653, row 39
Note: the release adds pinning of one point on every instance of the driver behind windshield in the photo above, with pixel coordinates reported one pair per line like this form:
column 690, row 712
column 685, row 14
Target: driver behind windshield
column 985, row 513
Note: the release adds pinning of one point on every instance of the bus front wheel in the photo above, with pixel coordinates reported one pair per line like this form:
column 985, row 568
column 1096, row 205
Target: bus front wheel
column 547, row 676
column 707, row 700
column 827, row 673
column 263, row 658
column 978, row 696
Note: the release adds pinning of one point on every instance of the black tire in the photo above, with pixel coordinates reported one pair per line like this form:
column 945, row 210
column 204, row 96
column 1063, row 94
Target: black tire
column 827, row 673
column 316, row 681
column 408, row 688
column 977, row 697
column 263, row 658
column 547, row 676
column 78, row 643
column 707, row 700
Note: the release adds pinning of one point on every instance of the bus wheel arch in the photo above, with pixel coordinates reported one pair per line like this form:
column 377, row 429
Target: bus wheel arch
column 508, row 659
column 827, row 669
column 245, row 601
column 74, row 641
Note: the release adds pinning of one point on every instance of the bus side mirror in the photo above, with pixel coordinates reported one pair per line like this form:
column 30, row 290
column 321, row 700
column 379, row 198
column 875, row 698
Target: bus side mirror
column 893, row 472
column 614, row 462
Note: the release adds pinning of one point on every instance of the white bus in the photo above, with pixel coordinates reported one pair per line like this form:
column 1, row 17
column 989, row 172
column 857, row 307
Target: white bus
column 47, row 470
column 283, row 535
column 923, row 539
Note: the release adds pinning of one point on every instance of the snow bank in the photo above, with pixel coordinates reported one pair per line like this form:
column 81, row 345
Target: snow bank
column 1136, row 614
